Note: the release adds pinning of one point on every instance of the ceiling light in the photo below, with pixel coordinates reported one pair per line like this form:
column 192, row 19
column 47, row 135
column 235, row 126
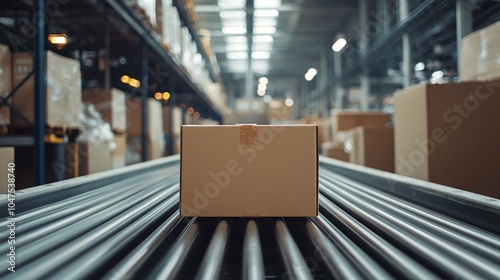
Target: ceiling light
column 58, row 39
column 236, row 39
column 261, row 55
column 261, row 92
column 234, row 22
column 339, row 45
column 308, row 77
column 265, row 22
column 264, row 30
column 231, row 4
column 263, row 81
column 232, row 14
column 234, row 30
column 419, row 66
column 125, row 79
column 267, row 3
column 263, row 39
column 158, row 96
column 262, row 46
column 262, row 87
column 166, row 95
column 312, row 71
column 236, row 47
column 438, row 74
column 196, row 115
column 190, row 110
column 266, row 13
column 289, row 102
column 236, row 55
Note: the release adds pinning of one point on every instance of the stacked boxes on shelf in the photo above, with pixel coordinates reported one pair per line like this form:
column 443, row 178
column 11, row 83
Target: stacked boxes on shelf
column 154, row 137
column 172, row 121
column 448, row 134
column 110, row 103
column 5, row 85
column 63, row 90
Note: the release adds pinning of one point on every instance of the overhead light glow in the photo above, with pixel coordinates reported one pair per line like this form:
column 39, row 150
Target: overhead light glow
column 236, row 47
column 308, row 77
column 263, row 39
column 261, row 92
column 231, row 4
column 419, row 66
column 190, row 110
column 265, row 22
column 134, row 83
column 125, row 79
column 234, row 30
column 235, row 39
column 234, row 23
column 158, row 96
column 166, row 95
column 267, row 3
column 266, row 13
column 262, row 87
column 261, row 55
column 438, row 74
column 196, row 115
column 339, row 45
column 232, row 14
column 263, row 80
column 262, row 46
column 58, row 39
column 264, row 30
column 236, row 55
column 289, row 102
column 312, row 71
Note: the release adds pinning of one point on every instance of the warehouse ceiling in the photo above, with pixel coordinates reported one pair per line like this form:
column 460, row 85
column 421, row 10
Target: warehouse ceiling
column 284, row 38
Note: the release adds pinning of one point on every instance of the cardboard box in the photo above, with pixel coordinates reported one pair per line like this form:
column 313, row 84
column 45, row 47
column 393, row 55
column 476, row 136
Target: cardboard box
column 249, row 171
column 63, row 90
column 118, row 154
column 278, row 110
column 324, row 126
column 6, row 157
column 345, row 120
column 134, row 117
column 372, row 147
column 110, row 103
column 334, row 150
column 156, row 148
column 480, row 55
column 448, row 134
column 5, row 83
column 96, row 157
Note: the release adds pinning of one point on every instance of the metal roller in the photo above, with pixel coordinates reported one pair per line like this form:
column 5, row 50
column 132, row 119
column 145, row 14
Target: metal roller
column 214, row 256
column 253, row 264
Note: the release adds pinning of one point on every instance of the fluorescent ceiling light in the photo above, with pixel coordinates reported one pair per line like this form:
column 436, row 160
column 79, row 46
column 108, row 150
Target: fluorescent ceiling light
column 266, row 13
column 236, row 55
column 261, row 55
column 265, row 22
column 312, row 72
column 308, row 77
column 339, row 45
column 263, row 80
column 419, row 66
column 263, row 39
column 262, row 87
column 264, row 30
column 236, row 47
column 231, row 4
column 234, row 22
column 289, row 102
column 262, row 46
column 232, row 14
column 234, row 30
column 261, row 92
column 236, row 39
column 438, row 74
column 267, row 3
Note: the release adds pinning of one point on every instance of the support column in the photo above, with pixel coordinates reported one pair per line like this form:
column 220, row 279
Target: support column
column 406, row 65
column 337, row 67
column 363, row 45
column 144, row 96
column 323, row 80
column 249, row 79
column 39, row 71
column 107, row 44
column 464, row 25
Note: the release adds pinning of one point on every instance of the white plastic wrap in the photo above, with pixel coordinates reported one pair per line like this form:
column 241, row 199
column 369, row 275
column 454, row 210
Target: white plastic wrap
column 96, row 129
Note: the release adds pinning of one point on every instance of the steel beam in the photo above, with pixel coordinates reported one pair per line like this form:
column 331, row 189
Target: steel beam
column 39, row 71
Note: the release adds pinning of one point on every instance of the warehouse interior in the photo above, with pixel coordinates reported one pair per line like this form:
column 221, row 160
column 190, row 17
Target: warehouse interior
column 250, row 139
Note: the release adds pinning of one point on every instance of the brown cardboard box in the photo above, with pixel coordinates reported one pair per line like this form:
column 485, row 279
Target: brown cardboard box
column 172, row 117
column 156, row 147
column 96, row 157
column 5, row 83
column 249, row 171
column 63, row 90
column 118, row 154
column 345, row 120
column 324, row 126
column 134, row 117
column 480, row 55
column 372, row 147
column 449, row 134
column 278, row 110
column 334, row 150
column 6, row 157
column 110, row 103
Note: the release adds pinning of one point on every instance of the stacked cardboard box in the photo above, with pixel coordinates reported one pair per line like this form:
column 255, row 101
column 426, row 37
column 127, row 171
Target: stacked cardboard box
column 324, row 128
column 448, row 134
column 111, row 104
column 63, row 90
column 278, row 110
column 335, row 151
column 5, row 84
column 372, row 147
column 154, row 136
column 480, row 55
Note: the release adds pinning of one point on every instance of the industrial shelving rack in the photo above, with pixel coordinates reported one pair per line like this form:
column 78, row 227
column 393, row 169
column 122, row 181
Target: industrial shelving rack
column 115, row 27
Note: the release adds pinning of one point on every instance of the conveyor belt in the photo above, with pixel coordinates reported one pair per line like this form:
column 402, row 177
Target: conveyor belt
column 125, row 224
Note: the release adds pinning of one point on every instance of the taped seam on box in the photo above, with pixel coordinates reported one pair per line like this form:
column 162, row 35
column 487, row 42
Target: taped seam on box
column 248, row 134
